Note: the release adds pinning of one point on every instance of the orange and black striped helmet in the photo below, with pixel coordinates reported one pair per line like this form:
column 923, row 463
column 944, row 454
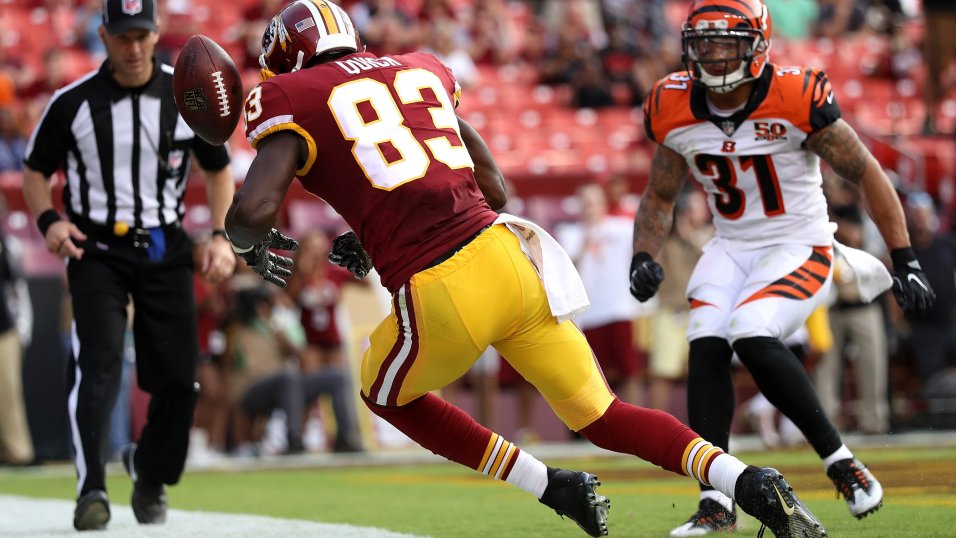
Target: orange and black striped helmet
column 726, row 43
column 302, row 30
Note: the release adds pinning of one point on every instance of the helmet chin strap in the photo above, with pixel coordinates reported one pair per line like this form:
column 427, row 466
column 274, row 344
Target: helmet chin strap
column 299, row 59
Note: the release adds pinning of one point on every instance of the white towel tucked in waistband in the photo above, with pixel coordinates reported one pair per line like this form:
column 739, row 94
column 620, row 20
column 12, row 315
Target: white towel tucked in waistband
column 562, row 284
column 872, row 278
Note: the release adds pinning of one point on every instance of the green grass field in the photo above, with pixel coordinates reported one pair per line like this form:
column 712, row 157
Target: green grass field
column 444, row 500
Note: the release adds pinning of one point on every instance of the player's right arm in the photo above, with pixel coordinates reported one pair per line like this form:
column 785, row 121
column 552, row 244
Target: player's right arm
column 655, row 216
column 487, row 174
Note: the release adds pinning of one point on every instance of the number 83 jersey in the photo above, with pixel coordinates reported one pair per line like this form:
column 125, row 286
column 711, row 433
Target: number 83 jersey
column 384, row 150
column 764, row 186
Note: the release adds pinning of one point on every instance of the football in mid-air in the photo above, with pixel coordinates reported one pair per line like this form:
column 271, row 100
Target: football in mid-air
column 208, row 89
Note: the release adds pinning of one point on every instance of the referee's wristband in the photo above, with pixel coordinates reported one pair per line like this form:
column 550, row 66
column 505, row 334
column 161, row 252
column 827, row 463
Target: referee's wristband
column 46, row 219
column 221, row 233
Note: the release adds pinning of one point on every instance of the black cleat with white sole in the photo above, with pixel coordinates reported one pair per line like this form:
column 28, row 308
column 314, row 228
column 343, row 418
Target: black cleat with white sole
column 764, row 494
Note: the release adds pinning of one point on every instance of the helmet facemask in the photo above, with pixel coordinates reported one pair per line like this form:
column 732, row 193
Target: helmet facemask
column 723, row 59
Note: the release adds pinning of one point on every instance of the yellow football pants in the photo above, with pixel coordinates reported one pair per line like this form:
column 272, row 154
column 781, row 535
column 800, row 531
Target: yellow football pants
column 487, row 294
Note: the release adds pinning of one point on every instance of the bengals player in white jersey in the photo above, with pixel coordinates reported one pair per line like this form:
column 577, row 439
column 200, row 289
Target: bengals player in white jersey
column 753, row 134
column 379, row 140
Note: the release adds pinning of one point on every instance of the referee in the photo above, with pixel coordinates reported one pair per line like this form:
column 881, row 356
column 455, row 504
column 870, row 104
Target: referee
column 125, row 152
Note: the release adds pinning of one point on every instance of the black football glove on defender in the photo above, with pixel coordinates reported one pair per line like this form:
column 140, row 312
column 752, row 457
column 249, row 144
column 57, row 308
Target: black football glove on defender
column 910, row 286
column 646, row 276
column 348, row 252
column 269, row 265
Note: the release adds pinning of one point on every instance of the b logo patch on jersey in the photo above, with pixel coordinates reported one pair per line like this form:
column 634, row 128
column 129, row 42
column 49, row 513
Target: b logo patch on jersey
column 729, row 146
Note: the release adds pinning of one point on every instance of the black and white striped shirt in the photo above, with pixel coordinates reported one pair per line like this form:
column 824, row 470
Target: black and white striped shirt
column 125, row 151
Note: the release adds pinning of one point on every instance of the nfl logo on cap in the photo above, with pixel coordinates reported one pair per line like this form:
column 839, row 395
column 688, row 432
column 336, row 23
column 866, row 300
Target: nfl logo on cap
column 132, row 7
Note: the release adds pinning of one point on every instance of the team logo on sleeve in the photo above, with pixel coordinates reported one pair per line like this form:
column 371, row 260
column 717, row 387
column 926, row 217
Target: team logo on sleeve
column 194, row 99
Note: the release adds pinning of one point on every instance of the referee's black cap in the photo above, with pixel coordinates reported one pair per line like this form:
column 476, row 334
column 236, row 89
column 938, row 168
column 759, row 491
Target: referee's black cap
column 122, row 15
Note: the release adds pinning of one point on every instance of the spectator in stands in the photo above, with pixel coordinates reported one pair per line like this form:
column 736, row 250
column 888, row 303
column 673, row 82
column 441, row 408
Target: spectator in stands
column 442, row 40
column 560, row 62
column 599, row 245
column 316, row 288
column 177, row 19
column 13, row 141
column 255, row 18
column 933, row 337
column 793, row 19
column 16, row 330
column 86, row 26
column 38, row 92
column 939, row 51
column 618, row 56
column 582, row 17
column 837, row 17
column 384, row 27
column 495, row 38
column 257, row 376
column 859, row 332
column 621, row 202
column 208, row 436
column 590, row 87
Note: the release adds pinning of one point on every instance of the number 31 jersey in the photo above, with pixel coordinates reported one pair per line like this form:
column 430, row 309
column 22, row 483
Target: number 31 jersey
column 763, row 185
column 385, row 152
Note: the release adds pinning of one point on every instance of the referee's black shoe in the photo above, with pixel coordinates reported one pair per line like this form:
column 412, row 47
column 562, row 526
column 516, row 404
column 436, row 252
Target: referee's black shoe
column 149, row 498
column 92, row 511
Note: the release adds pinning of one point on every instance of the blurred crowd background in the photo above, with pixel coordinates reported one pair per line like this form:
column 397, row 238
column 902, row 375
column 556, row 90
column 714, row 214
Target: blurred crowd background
column 555, row 87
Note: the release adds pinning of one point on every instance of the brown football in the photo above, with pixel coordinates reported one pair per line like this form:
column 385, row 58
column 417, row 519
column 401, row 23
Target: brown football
column 208, row 89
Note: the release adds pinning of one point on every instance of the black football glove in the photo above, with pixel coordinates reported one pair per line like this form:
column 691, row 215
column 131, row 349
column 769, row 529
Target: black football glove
column 348, row 252
column 269, row 265
column 910, row 286
column 646, row 276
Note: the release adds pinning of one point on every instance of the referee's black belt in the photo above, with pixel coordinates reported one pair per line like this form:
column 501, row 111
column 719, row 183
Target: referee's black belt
column 121, row 231
column 444, row 257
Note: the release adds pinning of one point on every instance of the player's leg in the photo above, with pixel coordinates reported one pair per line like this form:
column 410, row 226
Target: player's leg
column 99, row 299
column 556, row 358
column 788, row 282
column 712, row 289
column 441, row 321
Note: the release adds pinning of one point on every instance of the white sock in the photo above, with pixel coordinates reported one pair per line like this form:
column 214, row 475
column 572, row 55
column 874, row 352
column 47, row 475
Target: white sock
column 719, row 497
column 842, row 453
column 529, row 474
column 723, row 475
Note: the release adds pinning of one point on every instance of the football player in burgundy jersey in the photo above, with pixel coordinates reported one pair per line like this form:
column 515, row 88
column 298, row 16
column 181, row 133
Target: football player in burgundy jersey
column 378, row 138
column 753, row 133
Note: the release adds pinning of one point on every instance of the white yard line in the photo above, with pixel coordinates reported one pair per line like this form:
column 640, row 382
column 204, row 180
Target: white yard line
column 22, row 517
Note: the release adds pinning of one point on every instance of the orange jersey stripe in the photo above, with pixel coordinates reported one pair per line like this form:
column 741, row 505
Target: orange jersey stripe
column 697, row 303
column 803, row 282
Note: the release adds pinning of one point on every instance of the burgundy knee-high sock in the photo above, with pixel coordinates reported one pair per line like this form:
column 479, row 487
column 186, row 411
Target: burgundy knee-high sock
column 438, row 426
column 649, row 434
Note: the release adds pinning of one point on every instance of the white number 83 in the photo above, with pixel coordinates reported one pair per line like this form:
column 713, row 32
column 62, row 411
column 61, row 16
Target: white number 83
column 389, row 127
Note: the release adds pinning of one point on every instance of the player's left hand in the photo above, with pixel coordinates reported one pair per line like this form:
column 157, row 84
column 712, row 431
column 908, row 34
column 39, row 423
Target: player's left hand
column 646, row 276
column 910, row 286
column 348, row 252
column 269, row 265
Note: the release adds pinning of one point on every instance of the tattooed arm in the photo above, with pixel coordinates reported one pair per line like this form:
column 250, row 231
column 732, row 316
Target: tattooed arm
column 656, row 214
column 838, row 145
